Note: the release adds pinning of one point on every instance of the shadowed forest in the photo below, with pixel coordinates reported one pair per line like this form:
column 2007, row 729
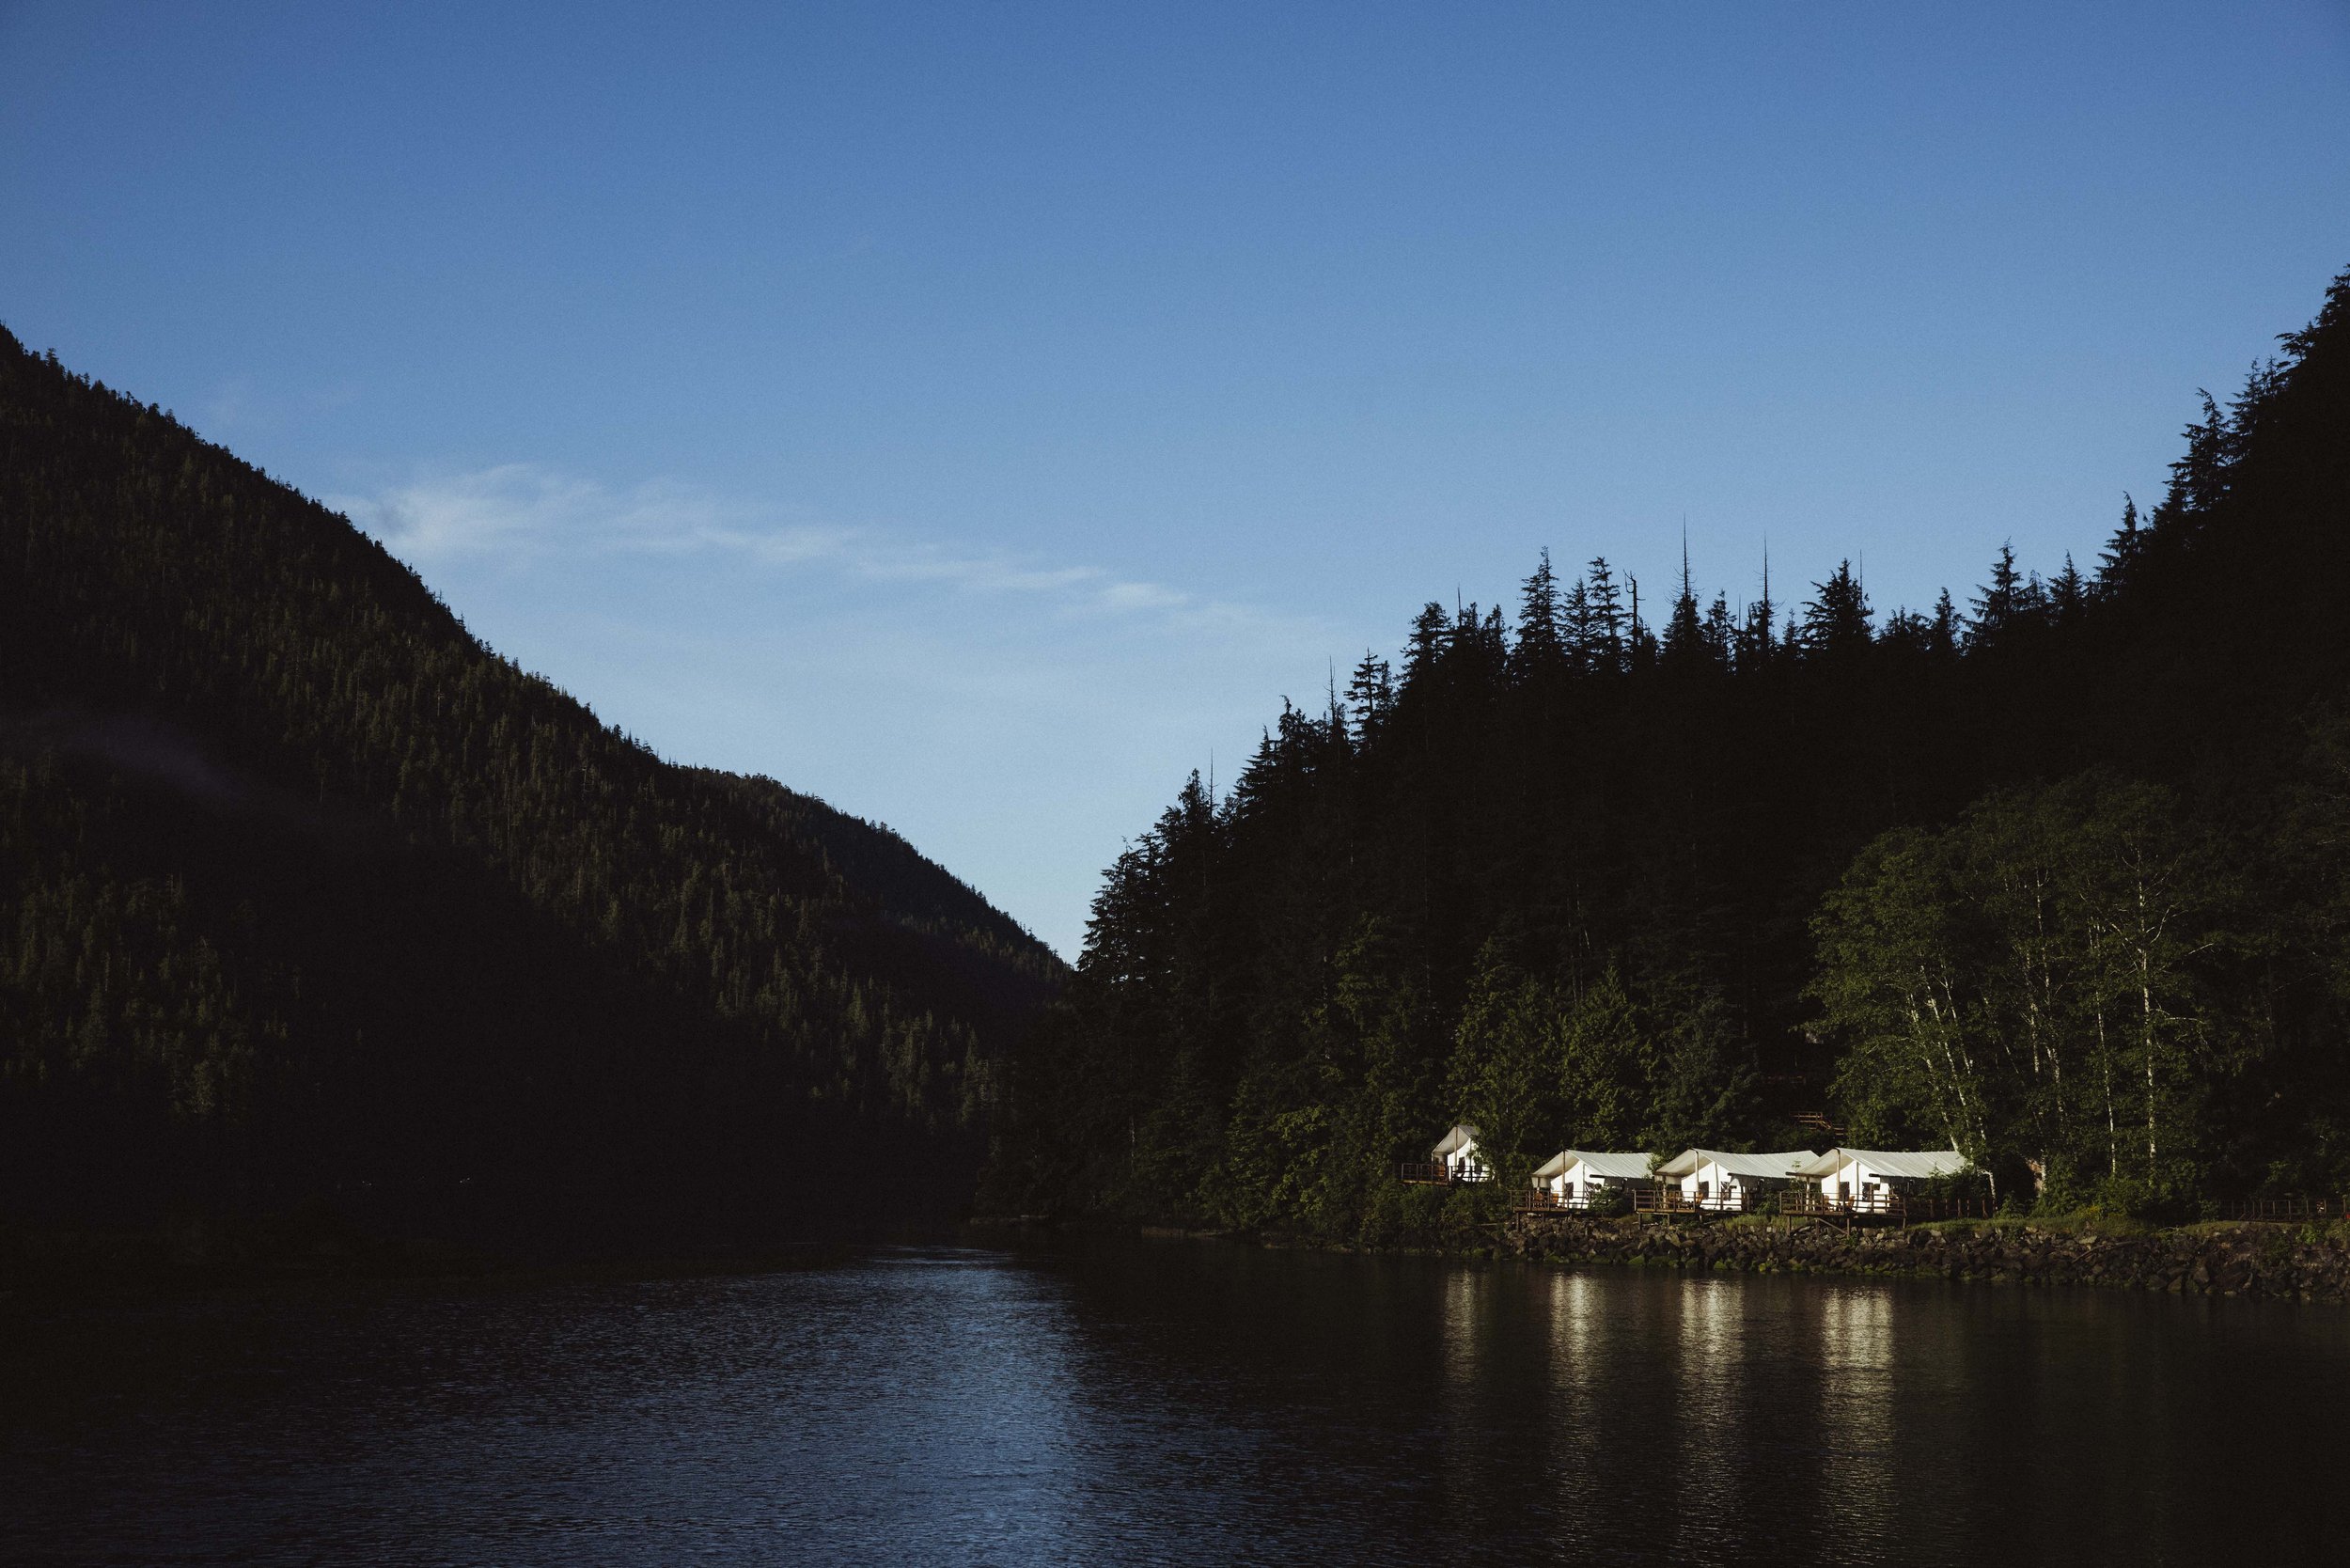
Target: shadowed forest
column 2056, row 873
column 308, row 898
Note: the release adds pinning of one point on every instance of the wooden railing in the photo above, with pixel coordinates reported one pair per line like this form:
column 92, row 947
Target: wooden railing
column 1673, row 1201
column 1884, row 1203
column 1605, row 1198
column 1438, row 1173
column 1606, row 1201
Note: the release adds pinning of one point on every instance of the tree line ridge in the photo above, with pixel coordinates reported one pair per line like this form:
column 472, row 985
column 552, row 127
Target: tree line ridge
column 2056, row 879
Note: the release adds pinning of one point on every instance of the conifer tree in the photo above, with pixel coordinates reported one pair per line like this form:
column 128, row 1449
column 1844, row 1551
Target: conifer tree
column 1719, row 634
column 1605, row 618
column 2000, row 604
column 2068, row 593
column 2200, row 478
column 1577, row 630
column 1370, row 697
column 1835, row 624
column 1907, row 632
column 1943, row 632
column 1540, row 655
column 1432, row 636
column 1684, row 645
column 1639, row 651
column 2122, row 551
column 1755, row 647
column 1684, row 641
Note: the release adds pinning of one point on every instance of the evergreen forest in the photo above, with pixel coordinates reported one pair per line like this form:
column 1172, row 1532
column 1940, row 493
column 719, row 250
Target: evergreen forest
column 309, row 898
column 2055, row 873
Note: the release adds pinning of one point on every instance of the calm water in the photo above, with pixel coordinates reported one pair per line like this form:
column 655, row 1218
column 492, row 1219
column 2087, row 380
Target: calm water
column 1173, row 1403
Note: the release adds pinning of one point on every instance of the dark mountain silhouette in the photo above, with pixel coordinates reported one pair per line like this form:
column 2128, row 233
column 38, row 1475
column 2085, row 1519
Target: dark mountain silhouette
column 307, row 896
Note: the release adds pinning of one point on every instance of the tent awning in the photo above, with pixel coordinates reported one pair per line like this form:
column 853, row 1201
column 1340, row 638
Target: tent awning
column 1613, row 1164
column 1775, row 1166
column 1903, row 1163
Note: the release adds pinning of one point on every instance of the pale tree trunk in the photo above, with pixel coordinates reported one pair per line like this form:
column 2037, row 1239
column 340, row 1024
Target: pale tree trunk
column 2146, row 996
column 1959, row 1063
column 2113, row 1129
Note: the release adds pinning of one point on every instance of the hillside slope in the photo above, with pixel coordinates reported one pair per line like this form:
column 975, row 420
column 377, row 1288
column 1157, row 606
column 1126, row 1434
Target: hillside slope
column 304, row 892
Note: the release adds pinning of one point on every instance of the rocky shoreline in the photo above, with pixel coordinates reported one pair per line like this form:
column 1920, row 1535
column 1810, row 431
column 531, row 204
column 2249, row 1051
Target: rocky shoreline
column 2280, row 1261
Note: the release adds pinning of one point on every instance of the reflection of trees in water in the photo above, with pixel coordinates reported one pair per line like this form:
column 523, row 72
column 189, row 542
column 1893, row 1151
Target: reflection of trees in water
column 1854, row 1445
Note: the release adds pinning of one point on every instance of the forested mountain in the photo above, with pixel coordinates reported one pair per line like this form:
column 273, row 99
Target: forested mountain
column 2057, row 877
column 307, row 894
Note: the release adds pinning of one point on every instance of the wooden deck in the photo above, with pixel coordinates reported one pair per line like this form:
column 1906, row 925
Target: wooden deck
column 1884, row 1204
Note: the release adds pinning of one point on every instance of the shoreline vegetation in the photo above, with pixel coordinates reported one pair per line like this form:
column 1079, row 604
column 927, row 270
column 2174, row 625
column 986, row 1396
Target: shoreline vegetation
column 2252, row 1259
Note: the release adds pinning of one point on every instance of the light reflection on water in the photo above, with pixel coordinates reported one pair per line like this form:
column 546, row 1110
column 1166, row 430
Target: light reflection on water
column 1854, row 1444
column 1170, row 1402
column 1577, row 1429
column 1712, row 1410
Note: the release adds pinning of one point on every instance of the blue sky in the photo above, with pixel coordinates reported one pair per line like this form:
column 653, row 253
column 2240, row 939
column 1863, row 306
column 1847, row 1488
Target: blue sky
column 979, row 416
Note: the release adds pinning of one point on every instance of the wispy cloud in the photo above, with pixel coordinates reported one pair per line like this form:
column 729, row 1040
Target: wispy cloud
column 1019, row 715
column 518, row 513
column 236, row 407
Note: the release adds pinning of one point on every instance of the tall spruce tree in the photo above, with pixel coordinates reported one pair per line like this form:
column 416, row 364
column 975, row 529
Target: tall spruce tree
column 2000, row 604
column 1606, row 618
column 1836, row 624
column 1539, row 657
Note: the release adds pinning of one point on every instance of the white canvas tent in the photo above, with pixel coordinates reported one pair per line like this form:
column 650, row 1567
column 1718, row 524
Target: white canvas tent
column 1457, row 1151
column 1860, row 1176
column 1576, row 1176
column 1716, row 1179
